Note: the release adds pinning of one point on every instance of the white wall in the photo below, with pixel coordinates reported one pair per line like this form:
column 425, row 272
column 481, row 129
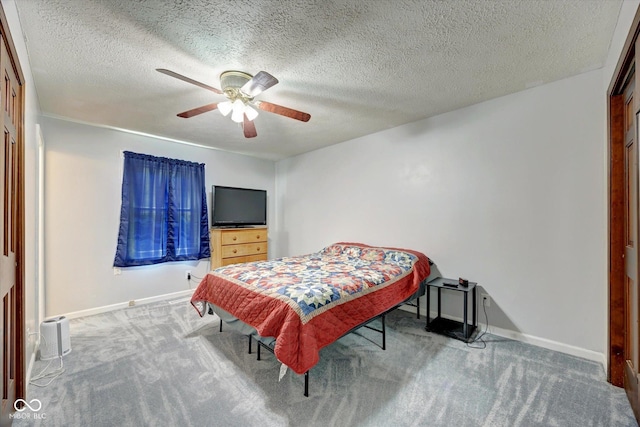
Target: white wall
column 508, row 193
column 82, row 203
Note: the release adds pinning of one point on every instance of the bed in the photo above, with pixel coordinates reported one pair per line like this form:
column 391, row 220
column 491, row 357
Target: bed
column 298, row 305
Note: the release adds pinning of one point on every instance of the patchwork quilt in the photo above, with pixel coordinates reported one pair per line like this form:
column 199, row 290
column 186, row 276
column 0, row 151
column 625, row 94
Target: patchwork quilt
column 307, row 302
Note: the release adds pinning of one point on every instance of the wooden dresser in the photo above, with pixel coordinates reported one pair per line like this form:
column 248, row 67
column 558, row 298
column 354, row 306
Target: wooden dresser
column 236, row 245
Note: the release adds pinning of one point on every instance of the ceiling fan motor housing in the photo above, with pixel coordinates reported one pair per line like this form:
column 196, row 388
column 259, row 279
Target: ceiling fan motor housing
column 232, row 81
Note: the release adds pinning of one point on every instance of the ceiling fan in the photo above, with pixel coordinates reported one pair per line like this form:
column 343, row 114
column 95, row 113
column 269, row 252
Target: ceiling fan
column 240, row 88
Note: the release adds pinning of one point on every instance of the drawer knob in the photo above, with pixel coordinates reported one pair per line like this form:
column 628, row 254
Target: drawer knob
column 235, row 238
column 258, row 249
column 235, row 251
column 258, row 237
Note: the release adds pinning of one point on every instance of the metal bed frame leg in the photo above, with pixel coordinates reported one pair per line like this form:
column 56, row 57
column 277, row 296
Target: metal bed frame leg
column 220, row 325
column 418, row 306
column 306, row 374
column 384, row 333
column 249, row 344
column 306, row 384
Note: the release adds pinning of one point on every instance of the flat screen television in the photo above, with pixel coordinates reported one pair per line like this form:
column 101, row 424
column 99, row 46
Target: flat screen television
column 238, row 207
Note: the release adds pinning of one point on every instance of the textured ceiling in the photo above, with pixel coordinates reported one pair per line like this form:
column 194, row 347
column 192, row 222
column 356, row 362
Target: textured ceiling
column 357, row 66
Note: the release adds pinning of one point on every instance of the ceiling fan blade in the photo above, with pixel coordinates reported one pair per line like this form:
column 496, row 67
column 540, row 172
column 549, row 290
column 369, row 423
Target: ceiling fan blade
column 249, row 128
column 188, row 80
column 258, row 84
column 283, row 111
column 199, row 110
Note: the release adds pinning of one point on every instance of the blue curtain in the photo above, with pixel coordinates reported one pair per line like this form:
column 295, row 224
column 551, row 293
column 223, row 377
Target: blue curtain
column 164, row 211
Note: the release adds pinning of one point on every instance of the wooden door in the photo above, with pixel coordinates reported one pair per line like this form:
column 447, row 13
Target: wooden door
column 624, row 294
column 631, row 294
column 10, row 196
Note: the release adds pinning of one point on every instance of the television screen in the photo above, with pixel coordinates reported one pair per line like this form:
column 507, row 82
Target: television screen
column 233, row 207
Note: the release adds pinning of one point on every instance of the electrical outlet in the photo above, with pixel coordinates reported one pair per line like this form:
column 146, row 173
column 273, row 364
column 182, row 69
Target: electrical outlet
column 187, row 274
column 486, row 300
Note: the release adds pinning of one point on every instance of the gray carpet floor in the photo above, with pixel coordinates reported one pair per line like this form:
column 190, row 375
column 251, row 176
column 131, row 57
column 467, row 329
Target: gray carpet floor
column 163, row 365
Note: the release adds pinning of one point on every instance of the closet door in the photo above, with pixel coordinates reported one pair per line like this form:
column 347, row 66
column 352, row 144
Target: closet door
column 11, row 234
column 632, row 296
column 8, row 308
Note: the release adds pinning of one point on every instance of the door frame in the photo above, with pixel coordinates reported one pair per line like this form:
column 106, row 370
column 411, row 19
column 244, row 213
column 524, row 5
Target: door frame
column 19, row 327
column 616, row 145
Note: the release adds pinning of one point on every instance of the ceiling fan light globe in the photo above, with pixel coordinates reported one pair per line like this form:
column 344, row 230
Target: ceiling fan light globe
column 238, row 111
column 225, row 107
column 250, row 112
column 238, row 118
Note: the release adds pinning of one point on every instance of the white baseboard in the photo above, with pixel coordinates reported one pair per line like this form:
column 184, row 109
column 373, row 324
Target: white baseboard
column 112, row 307
column 32, row 361
column 550, row 344
column 530, row 339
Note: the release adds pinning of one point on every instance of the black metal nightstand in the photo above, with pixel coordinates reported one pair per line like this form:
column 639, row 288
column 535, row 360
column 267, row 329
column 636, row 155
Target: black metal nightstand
column 454, row 329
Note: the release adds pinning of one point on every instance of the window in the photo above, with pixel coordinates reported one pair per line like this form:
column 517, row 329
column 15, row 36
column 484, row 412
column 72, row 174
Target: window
column 164, row 211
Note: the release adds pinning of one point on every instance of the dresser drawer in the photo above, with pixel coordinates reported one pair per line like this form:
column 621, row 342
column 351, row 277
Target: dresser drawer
column 233, row 237
column 230, row 251
column 241, row 259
